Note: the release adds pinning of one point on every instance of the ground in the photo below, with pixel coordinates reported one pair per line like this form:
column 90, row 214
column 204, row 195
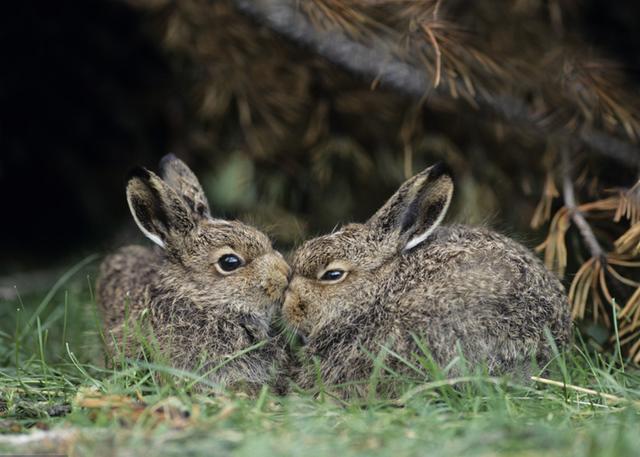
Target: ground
column 56, row 396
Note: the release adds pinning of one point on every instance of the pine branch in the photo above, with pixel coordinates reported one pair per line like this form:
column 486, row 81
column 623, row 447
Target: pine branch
column 379, row 60
column 576, row 216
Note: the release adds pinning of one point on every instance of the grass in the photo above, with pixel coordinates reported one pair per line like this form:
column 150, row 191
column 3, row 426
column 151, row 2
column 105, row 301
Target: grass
column 57, row 396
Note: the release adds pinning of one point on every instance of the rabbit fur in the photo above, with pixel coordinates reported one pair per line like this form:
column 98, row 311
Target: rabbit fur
column 199, row 315
column 405, row 278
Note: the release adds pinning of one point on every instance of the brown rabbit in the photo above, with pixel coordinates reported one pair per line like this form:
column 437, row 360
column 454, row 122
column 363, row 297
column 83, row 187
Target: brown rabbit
column 400, row 276
column 209, row 289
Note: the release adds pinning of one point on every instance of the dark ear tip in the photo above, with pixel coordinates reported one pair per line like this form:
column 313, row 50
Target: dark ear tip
column 140, row 173
column 167, row 159
column 439, row 169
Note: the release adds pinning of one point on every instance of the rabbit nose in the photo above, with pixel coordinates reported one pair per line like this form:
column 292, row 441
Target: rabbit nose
column 291, row 308
column 284, row 268
column 276, row 277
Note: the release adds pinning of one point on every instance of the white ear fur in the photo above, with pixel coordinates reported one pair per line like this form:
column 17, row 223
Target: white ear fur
column 416, row 240
column 155, row 238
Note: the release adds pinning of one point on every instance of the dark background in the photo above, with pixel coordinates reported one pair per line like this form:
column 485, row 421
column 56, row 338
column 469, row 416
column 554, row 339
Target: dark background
column 87, row 91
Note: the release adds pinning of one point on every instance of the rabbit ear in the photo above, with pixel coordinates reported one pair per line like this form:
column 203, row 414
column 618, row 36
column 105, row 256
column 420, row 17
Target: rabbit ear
column 157, row 209
column 180, row 177
column 416, row 209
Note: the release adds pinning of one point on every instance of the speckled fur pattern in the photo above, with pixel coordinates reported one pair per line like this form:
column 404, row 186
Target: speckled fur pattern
column 461, row 288
column 199, row 317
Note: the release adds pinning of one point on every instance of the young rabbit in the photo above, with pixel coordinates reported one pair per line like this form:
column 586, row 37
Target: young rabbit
column 401, row 276
column 208, row 290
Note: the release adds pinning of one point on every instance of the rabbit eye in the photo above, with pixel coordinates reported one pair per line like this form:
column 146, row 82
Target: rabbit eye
column 333, row 275
column 228, row 263
column 334, row 272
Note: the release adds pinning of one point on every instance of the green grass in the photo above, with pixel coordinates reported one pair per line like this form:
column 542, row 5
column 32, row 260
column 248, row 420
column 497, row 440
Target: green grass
column 53, row 377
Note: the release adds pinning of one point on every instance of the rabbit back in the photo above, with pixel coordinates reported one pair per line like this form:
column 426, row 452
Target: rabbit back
column 474, row 289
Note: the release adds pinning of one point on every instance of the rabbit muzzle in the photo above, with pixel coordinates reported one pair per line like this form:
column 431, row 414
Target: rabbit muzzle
column 275, row 277
column 294, row 309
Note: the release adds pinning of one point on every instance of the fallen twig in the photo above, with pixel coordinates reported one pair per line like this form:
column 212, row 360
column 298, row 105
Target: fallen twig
column 584, row 390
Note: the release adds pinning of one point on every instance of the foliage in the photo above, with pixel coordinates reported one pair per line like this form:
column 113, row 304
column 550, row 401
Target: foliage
column 602, row 288
column 53, row 382
column 320, row 108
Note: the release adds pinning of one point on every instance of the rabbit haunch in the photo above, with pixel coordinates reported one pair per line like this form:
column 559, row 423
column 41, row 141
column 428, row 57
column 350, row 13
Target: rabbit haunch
column 200, row 316
column 404, row 277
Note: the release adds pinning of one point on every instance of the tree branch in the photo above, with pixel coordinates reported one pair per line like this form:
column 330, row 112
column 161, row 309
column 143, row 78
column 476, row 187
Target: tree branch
column 576, row 216
column 378, row 59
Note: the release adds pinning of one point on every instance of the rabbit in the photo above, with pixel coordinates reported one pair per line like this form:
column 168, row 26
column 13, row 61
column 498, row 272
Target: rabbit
column 401, row 277
column 209, row 289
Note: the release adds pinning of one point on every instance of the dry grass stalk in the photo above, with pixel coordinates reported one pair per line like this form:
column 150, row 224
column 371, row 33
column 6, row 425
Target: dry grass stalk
column 590, row 286
column 605, row 396
column 629, row 242
column 629, row 206
column 590, row 294
column 543, row 210
column 554, row 246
